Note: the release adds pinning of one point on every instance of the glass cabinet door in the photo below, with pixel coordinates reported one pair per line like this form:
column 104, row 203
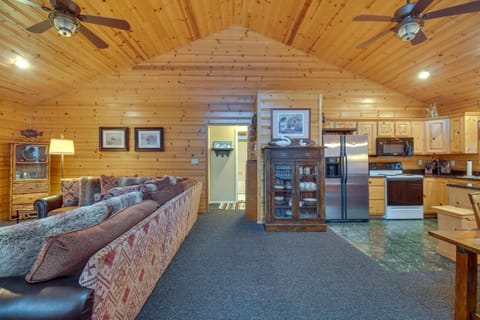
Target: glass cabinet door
column 308, row 190
column 282, row 195
column 30, row 162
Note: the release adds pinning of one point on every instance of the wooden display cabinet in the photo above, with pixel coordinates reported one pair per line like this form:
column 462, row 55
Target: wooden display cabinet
column 29, row 178
column 294, row 189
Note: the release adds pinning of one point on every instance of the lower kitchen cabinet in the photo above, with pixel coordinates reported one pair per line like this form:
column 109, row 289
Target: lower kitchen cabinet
column 435, row 193
column 376, row 197
column 294, row 189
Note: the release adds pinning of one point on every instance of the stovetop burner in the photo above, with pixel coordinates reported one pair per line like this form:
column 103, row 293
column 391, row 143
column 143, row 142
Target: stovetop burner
column 385, row 169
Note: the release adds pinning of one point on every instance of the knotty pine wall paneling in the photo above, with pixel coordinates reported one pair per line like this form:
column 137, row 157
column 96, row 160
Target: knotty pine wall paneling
column 214, row 80
column 13, row 119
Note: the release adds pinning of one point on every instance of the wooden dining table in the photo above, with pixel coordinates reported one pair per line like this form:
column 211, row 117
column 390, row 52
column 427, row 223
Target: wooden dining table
column 467, row 244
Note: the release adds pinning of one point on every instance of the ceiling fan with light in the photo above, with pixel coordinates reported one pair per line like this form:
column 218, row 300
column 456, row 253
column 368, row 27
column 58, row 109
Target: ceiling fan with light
column 65, row 17
column 410, row 20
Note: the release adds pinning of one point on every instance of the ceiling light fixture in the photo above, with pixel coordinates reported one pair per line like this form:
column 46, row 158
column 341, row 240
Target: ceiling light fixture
column 21, row 63
column 423, row 75
column 408, row 30
column 65, row 24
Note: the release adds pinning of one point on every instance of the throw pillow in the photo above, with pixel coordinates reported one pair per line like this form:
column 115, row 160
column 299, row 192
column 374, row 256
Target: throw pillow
column 70, row 191
column 89, row 186
column 116, row 204
column 115, row 192
column 130, row 181
column 66, row 253
column 157, row 184
column 20, row 243
column 165, row 194
column 107, row 183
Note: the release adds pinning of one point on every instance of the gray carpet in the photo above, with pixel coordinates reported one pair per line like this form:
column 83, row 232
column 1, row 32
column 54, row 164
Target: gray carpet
column 228, row 268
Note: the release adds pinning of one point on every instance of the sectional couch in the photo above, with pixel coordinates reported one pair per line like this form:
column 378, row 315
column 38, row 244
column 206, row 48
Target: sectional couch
column 107, row 266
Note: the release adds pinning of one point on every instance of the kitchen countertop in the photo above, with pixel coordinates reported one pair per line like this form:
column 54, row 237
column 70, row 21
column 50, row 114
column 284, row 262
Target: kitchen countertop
column 473, row 186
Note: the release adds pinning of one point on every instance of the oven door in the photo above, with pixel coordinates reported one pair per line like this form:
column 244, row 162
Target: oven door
column 404, row 191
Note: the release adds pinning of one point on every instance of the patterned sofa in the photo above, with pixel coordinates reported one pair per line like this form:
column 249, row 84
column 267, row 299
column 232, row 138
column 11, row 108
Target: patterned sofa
column 117, row 274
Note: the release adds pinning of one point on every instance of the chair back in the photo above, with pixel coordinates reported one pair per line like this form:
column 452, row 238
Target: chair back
column 475, row 201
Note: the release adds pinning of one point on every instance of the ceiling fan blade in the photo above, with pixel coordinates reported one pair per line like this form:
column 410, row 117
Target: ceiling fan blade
column 40, row 27
column 374, row 38
column 35, row 4
column 99, row 43
column 369, row 17
column 66, row 5
column 105, row 21
column 469, row 7
column 419, row 38
column 420, row 6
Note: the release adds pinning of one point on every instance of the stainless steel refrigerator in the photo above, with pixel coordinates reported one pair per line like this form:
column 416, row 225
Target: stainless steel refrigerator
column 346, row 177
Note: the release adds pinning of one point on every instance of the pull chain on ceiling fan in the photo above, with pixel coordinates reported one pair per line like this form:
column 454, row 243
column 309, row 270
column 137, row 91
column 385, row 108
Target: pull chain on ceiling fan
column 410, row 20
column 65, row 17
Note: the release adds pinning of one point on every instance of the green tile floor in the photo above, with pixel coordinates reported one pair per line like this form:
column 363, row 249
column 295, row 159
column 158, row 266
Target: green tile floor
column 397, row 245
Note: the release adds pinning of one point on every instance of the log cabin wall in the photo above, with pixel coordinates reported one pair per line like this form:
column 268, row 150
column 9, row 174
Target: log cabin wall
column 13, row 119
column 213, row 80
column 459, row 108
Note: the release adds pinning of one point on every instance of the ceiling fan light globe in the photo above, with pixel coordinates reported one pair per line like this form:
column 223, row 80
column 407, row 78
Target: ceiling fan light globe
column 408, row 30
column 65, row 25
column 64, row 32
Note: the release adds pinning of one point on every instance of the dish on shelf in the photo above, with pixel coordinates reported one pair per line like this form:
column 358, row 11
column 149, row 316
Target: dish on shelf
column 309, row 201
column 30, row 154
column 279, row 187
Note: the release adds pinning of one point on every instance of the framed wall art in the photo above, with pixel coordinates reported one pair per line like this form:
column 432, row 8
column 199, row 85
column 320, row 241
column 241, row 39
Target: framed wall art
column 293, row 123
column 113, row 138
column 149, row 139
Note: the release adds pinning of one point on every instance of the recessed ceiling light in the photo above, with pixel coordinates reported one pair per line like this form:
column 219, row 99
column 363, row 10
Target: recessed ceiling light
column 368, row 100
column 423, row 75
column 22, row 63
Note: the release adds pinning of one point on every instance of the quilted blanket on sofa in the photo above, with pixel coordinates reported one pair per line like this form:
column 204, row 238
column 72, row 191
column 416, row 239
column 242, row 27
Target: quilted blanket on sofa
column 124, row 273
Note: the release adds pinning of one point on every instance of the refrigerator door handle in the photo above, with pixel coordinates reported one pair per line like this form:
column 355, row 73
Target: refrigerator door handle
column 345, row 168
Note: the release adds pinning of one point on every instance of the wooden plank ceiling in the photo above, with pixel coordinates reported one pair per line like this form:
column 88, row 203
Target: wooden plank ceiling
column 318, row 27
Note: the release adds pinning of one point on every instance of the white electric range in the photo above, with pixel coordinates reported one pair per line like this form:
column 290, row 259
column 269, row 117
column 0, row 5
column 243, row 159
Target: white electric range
column 403, row 192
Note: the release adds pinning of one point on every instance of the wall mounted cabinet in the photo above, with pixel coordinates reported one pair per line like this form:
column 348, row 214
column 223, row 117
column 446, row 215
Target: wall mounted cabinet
column 386, row 129
column 29, row 178
column 403, row 129
column 370, row 129
column 437, row 136
column 418, row 134
column 464, row 134
column 294, row 189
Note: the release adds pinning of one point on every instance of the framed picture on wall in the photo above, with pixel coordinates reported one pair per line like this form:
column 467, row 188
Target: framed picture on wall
column 149, row 139
column 293, row 123
column 113, row 138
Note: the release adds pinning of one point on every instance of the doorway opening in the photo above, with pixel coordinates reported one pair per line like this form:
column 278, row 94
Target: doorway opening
column 227, row 170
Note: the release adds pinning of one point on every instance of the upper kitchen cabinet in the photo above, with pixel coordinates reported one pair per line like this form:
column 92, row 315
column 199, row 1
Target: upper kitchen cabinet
column 370, row 129
column 418, row 134
column 385, row 128
column 403, row 129
column 345, row 124
column 437, row 136
column 464, row 134
column 394, row 129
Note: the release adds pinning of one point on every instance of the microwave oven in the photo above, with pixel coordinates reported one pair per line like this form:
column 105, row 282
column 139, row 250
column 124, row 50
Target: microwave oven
column 394, row 147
